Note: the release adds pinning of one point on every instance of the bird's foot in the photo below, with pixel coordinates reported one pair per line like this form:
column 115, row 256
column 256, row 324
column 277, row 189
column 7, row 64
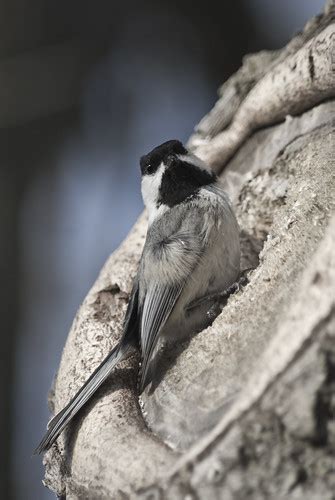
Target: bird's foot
column 221, row 297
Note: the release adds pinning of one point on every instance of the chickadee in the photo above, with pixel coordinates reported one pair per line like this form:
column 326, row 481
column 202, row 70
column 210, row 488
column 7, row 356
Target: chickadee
column 191, row 254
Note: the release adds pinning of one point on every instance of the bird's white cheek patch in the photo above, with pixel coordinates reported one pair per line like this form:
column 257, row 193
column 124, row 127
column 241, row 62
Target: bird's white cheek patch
column 150, row 193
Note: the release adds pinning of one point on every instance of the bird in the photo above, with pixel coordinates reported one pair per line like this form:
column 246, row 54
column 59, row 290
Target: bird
column 190, row 256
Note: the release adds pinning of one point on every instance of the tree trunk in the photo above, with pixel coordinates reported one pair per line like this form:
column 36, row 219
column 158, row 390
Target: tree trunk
column 245, row 408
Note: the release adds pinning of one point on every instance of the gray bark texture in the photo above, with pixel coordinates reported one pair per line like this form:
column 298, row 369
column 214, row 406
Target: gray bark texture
column 244, row 409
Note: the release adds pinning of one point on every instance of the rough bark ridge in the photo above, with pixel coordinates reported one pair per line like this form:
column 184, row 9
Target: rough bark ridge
column 261, row 379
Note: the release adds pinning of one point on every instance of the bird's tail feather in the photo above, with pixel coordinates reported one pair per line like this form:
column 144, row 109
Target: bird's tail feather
column 59, row 422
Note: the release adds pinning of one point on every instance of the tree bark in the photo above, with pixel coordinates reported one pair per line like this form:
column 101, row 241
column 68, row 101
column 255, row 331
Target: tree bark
column 245, row 408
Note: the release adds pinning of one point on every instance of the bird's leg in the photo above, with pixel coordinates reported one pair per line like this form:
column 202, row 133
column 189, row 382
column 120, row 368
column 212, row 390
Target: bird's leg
column 221, row 298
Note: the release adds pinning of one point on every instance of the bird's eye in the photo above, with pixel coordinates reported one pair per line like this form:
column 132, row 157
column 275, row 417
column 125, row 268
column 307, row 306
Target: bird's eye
column 149, row 169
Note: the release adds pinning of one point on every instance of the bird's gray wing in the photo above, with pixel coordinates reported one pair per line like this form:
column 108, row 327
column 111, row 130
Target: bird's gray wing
column 158, row 305
column 185, row 250
column 129, row 339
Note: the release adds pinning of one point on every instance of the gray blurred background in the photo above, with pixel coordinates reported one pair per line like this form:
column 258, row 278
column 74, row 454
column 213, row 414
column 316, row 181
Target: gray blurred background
column 85, row 89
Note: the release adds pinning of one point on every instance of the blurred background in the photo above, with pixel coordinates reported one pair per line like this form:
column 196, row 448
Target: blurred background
column 85, row 89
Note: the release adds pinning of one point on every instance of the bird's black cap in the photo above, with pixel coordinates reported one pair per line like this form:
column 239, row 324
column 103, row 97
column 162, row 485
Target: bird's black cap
column 181, row 179
column 151, row 161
